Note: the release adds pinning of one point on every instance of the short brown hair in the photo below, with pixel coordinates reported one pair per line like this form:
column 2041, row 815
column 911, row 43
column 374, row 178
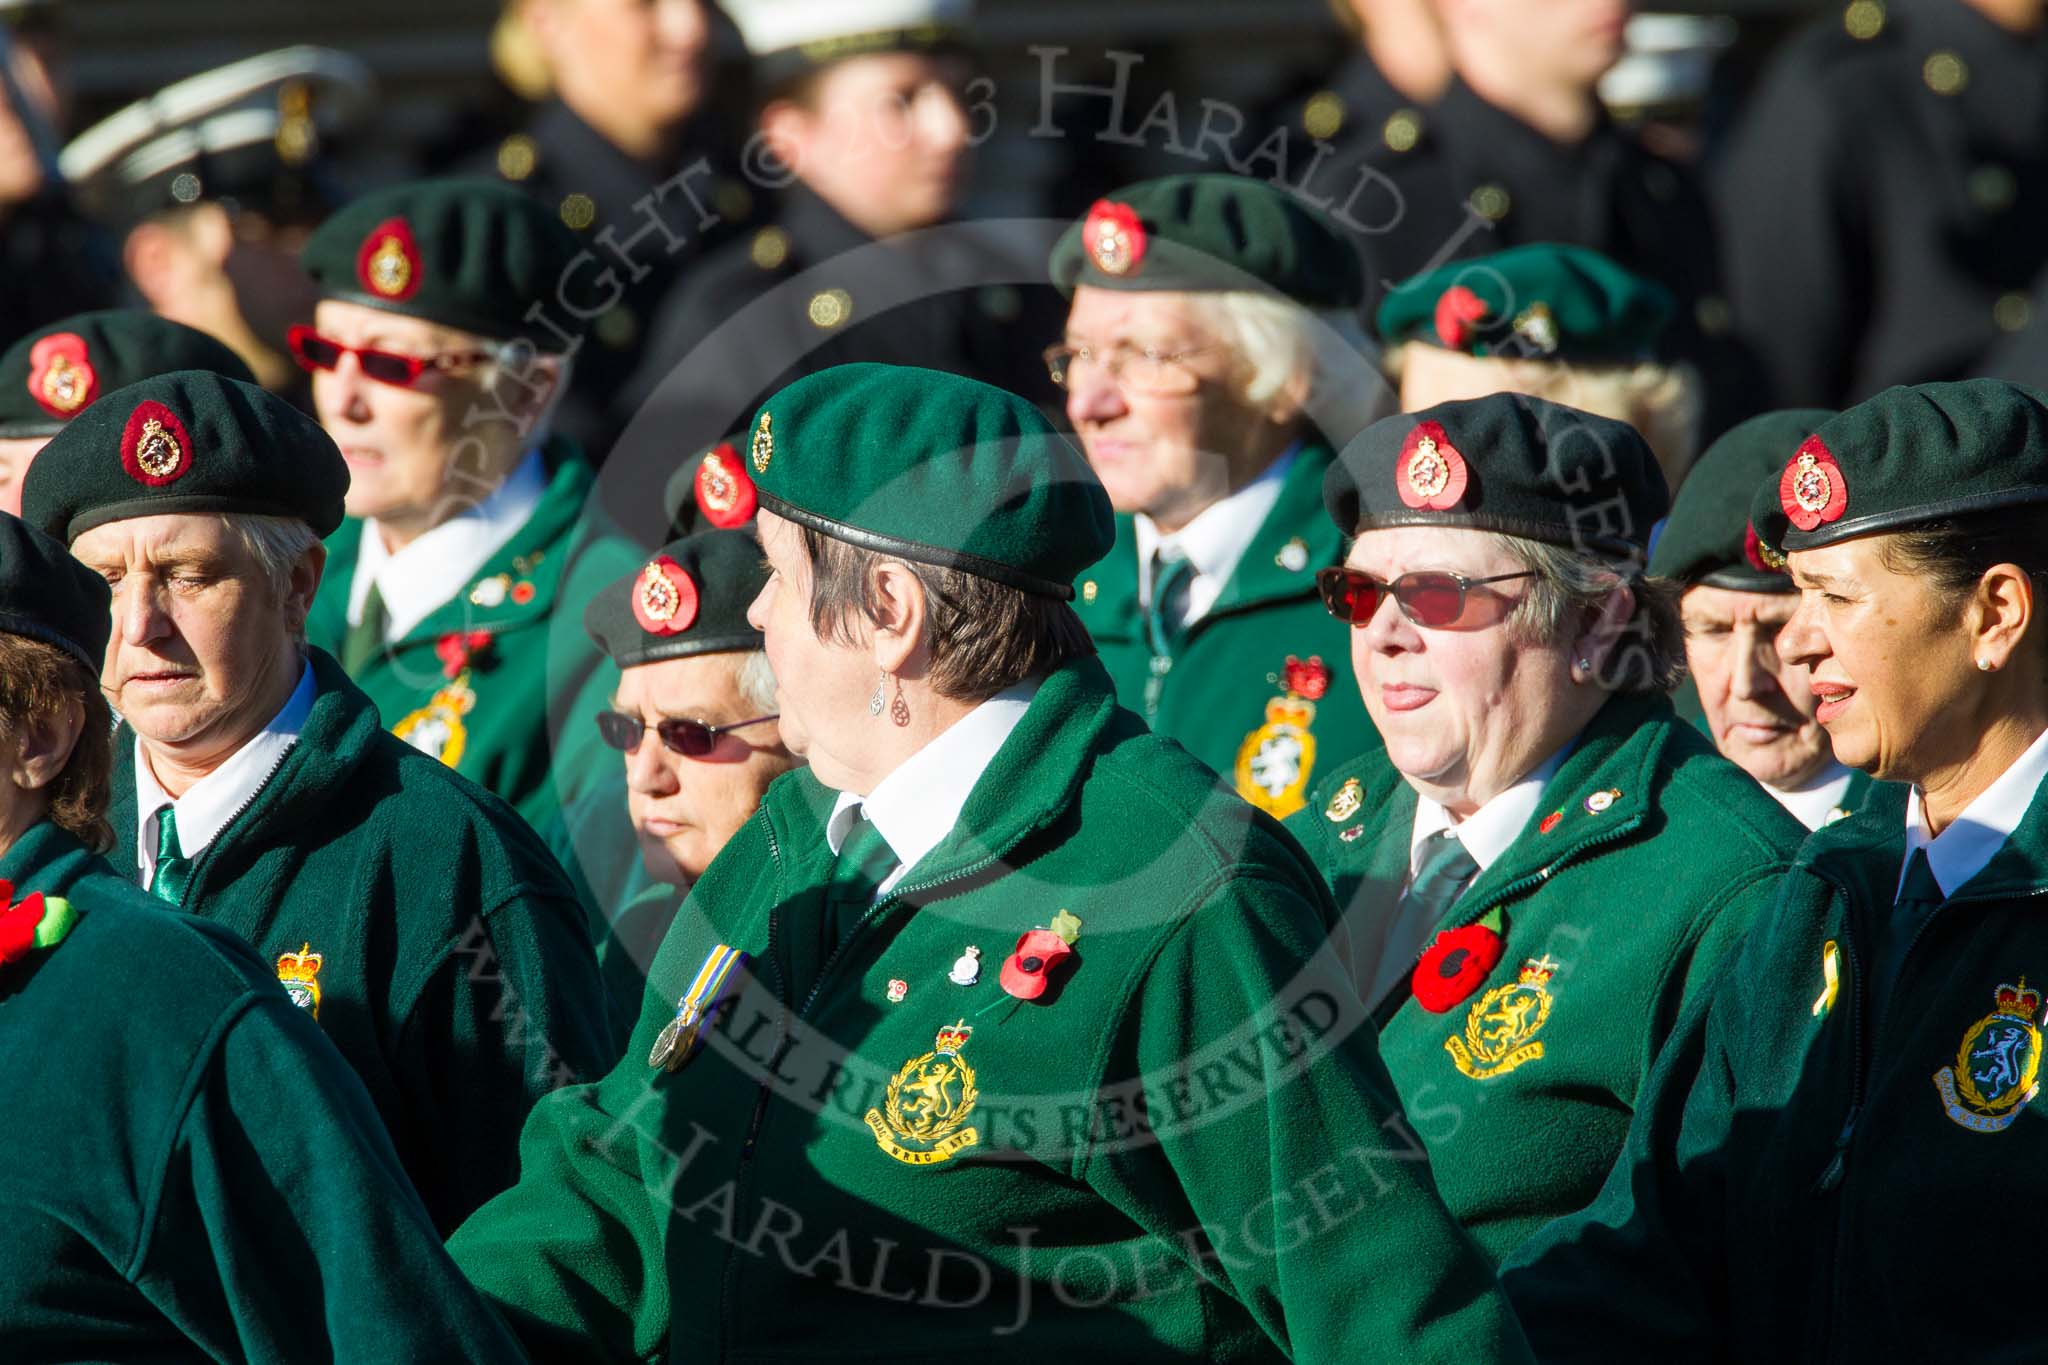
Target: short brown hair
column 984, row 636
column 37, row 681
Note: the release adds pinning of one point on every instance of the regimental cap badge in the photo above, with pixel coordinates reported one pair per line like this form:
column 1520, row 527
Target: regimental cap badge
column 1536, row 327
column 388, row 265
column 1812, row 489
column 725, row 494
column 1761, row 557
column 61, row 378
column 154, row 447
column 299, row 974
column 763, row 449
column 1346, row 802
column 1459, row 312
column 1997, row 1069
column 664, row 598
column 1114, row 237
column 1430, row 472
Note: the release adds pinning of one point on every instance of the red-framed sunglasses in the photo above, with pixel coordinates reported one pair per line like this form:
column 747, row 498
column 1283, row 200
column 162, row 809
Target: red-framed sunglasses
column 690, row 738
column 316, row 352
column 1428, row 598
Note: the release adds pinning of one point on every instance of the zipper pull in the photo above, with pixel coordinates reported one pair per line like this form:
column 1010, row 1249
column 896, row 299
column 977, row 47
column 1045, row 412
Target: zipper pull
column 1832, row 1176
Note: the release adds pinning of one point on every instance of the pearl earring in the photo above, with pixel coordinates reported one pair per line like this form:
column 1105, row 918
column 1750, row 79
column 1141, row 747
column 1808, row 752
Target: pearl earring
column 1984, row 665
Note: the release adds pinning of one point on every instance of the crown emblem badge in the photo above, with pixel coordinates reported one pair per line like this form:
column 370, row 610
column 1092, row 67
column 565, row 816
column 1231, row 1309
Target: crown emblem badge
column 1996, row 1072
column 923, row 1117
column 299, row 974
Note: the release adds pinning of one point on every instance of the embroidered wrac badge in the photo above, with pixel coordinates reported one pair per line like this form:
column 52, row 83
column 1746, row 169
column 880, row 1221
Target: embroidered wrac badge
column 1459, row 311
column 61, row 378
column 1997, row 1068
column 1430, row 473
column 1114, row 237
column 664, row 598
column 725, row 495
column 1812, row 489
column 388, row 263
column 923, row 1118
column 437, row 729
column 1276, row 761
column 299, row 974
column 154, row 447
column 1500, row 1031
column 1761, row 557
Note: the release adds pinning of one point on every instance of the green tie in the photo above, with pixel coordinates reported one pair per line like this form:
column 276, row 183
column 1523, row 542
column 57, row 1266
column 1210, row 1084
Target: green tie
column 864, row 863
column 1919, row 897
column 1447, row 869
column 173, row 869
column 366, row 637
column 1166, row 617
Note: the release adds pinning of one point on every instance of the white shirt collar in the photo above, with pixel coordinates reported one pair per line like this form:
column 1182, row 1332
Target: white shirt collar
column 1960, row 852
column 416, row 580
column 1486, row 832
column 1815, row 803
column 1216, row 539
column 208, row 804
column 916, row 807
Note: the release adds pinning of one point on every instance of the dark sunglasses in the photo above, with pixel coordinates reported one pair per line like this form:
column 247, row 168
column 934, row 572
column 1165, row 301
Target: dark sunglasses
column 1429, row 598
column 690, row 738
column 316, row 352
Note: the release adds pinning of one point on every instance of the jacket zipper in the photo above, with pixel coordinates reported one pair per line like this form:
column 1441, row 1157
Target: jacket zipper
column 730, row 1281
column 205, row 859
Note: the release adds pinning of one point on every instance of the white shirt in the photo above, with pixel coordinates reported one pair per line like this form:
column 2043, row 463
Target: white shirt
column 1485, row 833
column 1960, row 852
column 208, row 804
column 916, row 807
column 1215, row 540
column 1812, row 804
column 416, row 580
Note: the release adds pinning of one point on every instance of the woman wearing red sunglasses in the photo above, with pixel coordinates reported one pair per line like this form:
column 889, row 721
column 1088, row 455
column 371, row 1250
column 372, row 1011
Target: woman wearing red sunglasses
column 1544, row 861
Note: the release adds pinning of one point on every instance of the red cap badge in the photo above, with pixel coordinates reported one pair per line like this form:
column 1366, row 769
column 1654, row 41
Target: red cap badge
column 1114, row 237
column 389, row 262
column 724, row 492
column 664, row 598
column 1812, row 489
column 60, row 378
column 1430, row 472
column 154, row 447
column 1458, row 311
column 1761, row 557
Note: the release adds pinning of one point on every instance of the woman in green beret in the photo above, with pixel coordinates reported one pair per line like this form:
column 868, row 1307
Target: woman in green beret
column 436, row 373
column 1000, row 1026
column 1545, row 862
column 1837, row 1151
column 191, row 1171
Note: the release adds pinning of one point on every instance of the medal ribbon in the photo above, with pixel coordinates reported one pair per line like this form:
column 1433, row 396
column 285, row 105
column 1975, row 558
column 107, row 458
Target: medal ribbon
column 710, row 980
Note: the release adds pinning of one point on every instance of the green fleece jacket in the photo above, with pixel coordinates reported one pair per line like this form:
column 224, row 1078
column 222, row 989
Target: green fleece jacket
column 1806, row 1182
column 455, row 971
column 1648, row 858
column 1185, row 1148
column 500, row 681
column 1226, row 691
column 191, row 1170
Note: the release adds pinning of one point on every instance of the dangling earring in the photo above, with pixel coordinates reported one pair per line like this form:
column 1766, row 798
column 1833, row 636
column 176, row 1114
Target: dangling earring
column 875, row 702
column 899, row 710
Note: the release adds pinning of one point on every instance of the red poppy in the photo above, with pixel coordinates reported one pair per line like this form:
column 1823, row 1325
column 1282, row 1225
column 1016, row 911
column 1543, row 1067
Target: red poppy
column 18, row 923
column 1454, row 965
column 1457, row 310
column 458, row 648
column 1308, row 678
column 1025, row 970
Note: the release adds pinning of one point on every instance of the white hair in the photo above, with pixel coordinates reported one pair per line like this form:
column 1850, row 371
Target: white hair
column 278, row 544
column 1281, row 344
column 756, row 680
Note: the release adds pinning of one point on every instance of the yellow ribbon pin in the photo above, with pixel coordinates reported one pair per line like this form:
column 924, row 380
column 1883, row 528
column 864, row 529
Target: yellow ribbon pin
column 1830, row 968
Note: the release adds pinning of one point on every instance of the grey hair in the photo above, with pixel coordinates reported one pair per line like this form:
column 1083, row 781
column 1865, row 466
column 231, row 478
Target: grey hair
column 1570, row 588
column 504, row 365
column 756, row 680
column 1282, row 343
column 278, row 543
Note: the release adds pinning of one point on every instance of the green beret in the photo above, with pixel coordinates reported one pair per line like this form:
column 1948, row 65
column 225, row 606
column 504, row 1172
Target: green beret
column 1911, row 454
column 931, row 467
column 691, row 598
column 1508, row 463
column 1708, row 538
column 49, row 376
column 190, row 441
column 47, row 595
column 1211, row 232
column 472, row 254
column 1540, row 301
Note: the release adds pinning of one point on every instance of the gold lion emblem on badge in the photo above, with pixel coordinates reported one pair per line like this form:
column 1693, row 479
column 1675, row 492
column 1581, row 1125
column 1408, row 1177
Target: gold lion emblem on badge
column 157, row 452
column 1501, row 1028
column 922, row 1121
column 1429, row 473
column 763, row 449
column 390, row 271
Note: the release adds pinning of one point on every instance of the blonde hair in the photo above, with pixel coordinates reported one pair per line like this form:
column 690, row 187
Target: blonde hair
column 1281, row 344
